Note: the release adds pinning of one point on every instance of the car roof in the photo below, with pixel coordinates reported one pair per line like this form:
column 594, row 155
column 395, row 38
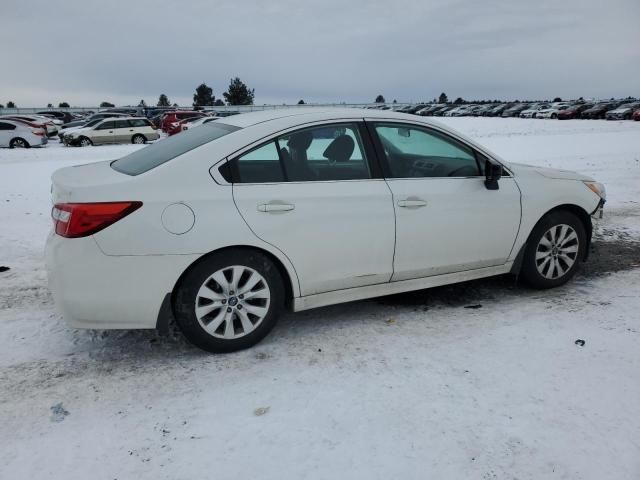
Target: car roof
column 314, row 114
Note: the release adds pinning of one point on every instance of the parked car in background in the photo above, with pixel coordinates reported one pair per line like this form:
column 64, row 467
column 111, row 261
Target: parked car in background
column 623, row 112
column 573, row 111
column 532, row 110
column 225, row 261
column 171, row 120
column 497, row 110
column 15, row 134
column 552, row 110
column 429, row 109
column 113, row 130
column 636, row 115
column 599, row 110
column 50, row 125
column 196, row 122
column 91, row 118
column 514, row 110
column 482, row 110
column 65, row 117
column 67, row 131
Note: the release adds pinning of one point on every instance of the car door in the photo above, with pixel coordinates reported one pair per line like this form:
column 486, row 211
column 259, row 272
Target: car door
column 103, row 133
column 6, row 133
column 123, row 131
column 315, row 194
column 446, row 219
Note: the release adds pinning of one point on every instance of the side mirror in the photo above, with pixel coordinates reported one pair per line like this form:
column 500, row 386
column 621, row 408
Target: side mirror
column 492, row 172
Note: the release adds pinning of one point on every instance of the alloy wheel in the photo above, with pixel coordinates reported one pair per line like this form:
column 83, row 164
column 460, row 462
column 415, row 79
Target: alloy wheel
column 232, row 302
column 557, row 251
column 19, row 143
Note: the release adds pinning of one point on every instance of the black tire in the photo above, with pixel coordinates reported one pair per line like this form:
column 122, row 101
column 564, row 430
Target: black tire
column 186, row 293
column 530, row 272
column 19, row 143
column 85, row 142
column 139, row 139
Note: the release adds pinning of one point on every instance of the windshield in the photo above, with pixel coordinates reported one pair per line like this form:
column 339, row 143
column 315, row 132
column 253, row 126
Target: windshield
column 156, row 154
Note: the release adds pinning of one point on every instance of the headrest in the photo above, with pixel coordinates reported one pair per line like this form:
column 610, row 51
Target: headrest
column 300, row 141
column 340, row 150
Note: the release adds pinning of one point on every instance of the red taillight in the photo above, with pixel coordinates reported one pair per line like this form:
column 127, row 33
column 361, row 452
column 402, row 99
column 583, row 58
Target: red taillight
column 73, row 220
column 38, row 131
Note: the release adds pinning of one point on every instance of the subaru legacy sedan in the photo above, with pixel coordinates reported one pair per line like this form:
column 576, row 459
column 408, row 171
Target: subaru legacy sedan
column 224, row 225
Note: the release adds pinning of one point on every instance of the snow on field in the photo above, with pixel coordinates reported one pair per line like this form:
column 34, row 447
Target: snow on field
column 410, row 386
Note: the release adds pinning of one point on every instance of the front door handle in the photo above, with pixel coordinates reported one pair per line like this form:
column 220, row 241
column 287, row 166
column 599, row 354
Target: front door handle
column 412, row 203
column 275, row 207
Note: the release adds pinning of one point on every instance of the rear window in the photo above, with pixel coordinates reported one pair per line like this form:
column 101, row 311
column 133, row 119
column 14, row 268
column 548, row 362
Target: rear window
column 156, row 154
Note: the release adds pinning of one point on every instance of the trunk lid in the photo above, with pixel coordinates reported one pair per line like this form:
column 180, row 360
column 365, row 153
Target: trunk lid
column 93, row 182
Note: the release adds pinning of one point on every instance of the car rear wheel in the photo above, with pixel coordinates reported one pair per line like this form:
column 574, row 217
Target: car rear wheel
column 18, row 143
column 554, row 250
column 85, row 142
column 138, row 139
column 229, row 301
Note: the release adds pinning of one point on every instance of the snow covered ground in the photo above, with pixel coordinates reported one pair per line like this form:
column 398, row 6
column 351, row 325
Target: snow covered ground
column 476, row 381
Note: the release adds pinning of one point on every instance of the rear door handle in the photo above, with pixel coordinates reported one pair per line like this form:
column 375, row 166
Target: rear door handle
column 275, row 207
column 412, row 203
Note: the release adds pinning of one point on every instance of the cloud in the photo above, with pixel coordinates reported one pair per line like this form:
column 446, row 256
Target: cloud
column 84, row 51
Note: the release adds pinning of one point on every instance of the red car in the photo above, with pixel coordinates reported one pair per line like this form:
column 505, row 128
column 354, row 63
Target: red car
column 171, row 121
column 574, row 111
column 636, row 115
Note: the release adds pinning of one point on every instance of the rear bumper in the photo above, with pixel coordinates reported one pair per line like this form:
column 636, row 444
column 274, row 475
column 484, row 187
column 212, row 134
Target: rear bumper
column 94, row 290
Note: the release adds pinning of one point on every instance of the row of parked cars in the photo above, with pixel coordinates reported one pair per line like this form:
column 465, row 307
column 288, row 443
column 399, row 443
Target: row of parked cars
column 609, row 110
column 109, row 126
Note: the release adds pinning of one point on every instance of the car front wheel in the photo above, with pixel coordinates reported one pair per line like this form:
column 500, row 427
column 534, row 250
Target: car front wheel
column 229, row 301
column 554, row 250
column 85, row 142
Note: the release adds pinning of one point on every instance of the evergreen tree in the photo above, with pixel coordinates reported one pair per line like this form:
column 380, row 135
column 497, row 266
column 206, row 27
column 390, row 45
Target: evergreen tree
column 557, row 99
column 1, row 105
column 380, row 99
column 163, row 101
column 443, row 98
column 49, row 105
column 238, row 93
column 204, row 96
column 218, row 103
column 301, row 102
column 458, row 101
column 11, row 104
column 142, row 103
column 63, row 105
column 107, row 105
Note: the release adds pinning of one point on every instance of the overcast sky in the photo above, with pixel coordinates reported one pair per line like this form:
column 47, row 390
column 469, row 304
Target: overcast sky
column 86, row 51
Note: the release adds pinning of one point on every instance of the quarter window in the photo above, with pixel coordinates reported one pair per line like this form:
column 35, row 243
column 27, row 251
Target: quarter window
column 419, row 152
column 7, row 126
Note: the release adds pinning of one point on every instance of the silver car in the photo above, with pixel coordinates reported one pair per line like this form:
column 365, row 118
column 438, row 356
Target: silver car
column 113, row 130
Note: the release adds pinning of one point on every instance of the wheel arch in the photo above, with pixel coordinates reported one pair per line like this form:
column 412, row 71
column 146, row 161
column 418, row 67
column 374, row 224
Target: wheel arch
column 288, row 278
column 578, row 211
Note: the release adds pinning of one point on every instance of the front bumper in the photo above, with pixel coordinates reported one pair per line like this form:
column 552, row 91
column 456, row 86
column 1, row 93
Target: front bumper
column 94, row 290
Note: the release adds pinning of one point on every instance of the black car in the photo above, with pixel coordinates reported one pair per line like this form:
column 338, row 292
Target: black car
column 515, row 110
column 64, row 116
column 599, row 111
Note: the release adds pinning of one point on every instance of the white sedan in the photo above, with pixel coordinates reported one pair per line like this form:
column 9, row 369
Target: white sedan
column 17, row 134
column 224, row 225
